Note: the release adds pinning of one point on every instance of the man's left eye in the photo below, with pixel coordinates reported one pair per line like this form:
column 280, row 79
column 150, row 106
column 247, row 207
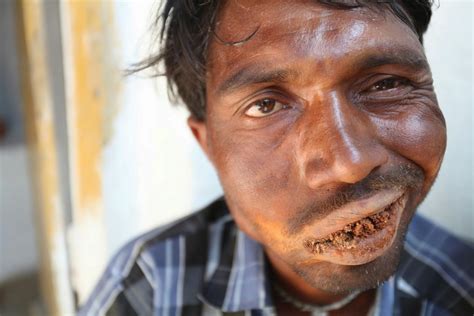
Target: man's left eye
column 388, row 84
column 265, row 107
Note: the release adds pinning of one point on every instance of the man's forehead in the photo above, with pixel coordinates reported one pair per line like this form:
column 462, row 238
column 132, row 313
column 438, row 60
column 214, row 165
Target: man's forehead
column 239, row 18
column 283, row 30
column 240, row 10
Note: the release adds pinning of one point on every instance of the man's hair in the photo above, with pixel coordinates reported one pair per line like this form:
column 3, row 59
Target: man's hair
column 185, row 27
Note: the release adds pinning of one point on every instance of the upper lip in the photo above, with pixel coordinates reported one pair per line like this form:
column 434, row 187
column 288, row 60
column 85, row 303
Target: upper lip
column 355, row 211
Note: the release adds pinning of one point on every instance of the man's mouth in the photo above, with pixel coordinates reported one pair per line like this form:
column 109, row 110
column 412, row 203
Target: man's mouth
column 361, row 238
column 347, row 237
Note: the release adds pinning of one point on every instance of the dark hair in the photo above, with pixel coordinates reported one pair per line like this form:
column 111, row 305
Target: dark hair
column 185, row 26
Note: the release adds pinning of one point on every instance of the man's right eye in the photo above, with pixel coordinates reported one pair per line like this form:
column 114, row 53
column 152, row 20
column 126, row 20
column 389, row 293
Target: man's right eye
column 265, row 107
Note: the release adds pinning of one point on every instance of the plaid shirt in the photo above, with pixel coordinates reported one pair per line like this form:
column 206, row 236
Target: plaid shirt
column 204, row 265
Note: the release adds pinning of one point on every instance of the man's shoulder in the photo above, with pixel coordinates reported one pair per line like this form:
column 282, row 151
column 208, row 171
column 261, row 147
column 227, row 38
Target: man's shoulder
column 194, row 225
column 437, row 267
column 436, row 246
column 130, row 280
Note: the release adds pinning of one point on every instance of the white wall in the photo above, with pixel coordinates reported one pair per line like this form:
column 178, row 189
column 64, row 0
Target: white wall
column 153, row 170
column 449, row 47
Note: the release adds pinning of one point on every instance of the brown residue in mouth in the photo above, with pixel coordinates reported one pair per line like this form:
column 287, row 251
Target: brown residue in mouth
column 347, row 237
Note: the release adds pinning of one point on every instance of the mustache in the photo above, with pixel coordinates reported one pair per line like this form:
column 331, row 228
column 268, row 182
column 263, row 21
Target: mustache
column 400, row 177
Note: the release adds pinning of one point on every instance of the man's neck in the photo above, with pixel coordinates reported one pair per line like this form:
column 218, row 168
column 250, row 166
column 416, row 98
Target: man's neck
column 298, row 288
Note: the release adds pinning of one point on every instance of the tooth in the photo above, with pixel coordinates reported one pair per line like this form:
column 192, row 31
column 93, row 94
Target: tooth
column 368, row 226
column 318, row 248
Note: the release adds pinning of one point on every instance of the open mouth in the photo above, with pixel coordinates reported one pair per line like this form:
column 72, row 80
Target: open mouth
column 351, row 234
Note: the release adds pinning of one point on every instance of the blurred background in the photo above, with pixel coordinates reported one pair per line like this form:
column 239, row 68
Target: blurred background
column 90, row 158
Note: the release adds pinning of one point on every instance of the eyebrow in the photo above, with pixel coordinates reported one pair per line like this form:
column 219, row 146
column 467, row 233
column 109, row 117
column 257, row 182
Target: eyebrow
column 401, row 56
column 255, row 74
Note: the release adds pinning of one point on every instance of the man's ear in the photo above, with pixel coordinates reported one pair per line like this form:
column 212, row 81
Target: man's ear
column 199, row 130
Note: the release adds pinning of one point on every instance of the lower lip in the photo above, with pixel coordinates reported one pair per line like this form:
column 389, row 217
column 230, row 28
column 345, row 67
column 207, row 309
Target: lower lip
column 363, row 243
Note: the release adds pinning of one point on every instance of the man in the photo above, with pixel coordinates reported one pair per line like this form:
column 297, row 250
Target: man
column 322, row 123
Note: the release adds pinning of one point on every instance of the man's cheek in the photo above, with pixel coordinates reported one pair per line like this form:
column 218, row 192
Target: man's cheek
column 419, row 137
column 256, row 171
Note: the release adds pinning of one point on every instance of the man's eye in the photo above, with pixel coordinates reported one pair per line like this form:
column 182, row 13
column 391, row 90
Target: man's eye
column 265, row 107
column 388, row 84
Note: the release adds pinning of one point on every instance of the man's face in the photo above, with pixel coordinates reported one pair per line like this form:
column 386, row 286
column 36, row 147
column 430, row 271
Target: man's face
column 325, row 132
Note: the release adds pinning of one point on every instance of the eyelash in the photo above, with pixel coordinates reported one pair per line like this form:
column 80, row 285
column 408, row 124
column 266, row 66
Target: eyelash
column 397, row 82
column 266, row 102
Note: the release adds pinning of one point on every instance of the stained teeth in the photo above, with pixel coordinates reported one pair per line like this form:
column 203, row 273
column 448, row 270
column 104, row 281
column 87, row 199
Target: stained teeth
column 347, row 237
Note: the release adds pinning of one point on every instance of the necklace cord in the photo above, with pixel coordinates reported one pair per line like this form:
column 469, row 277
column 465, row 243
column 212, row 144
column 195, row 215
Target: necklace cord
column 315, row 309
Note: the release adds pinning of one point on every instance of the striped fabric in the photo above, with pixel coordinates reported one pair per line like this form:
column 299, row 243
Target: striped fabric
column 204, row 265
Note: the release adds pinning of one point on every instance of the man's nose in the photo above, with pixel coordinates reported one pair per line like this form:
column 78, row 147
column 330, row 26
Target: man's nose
column 343, row 148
